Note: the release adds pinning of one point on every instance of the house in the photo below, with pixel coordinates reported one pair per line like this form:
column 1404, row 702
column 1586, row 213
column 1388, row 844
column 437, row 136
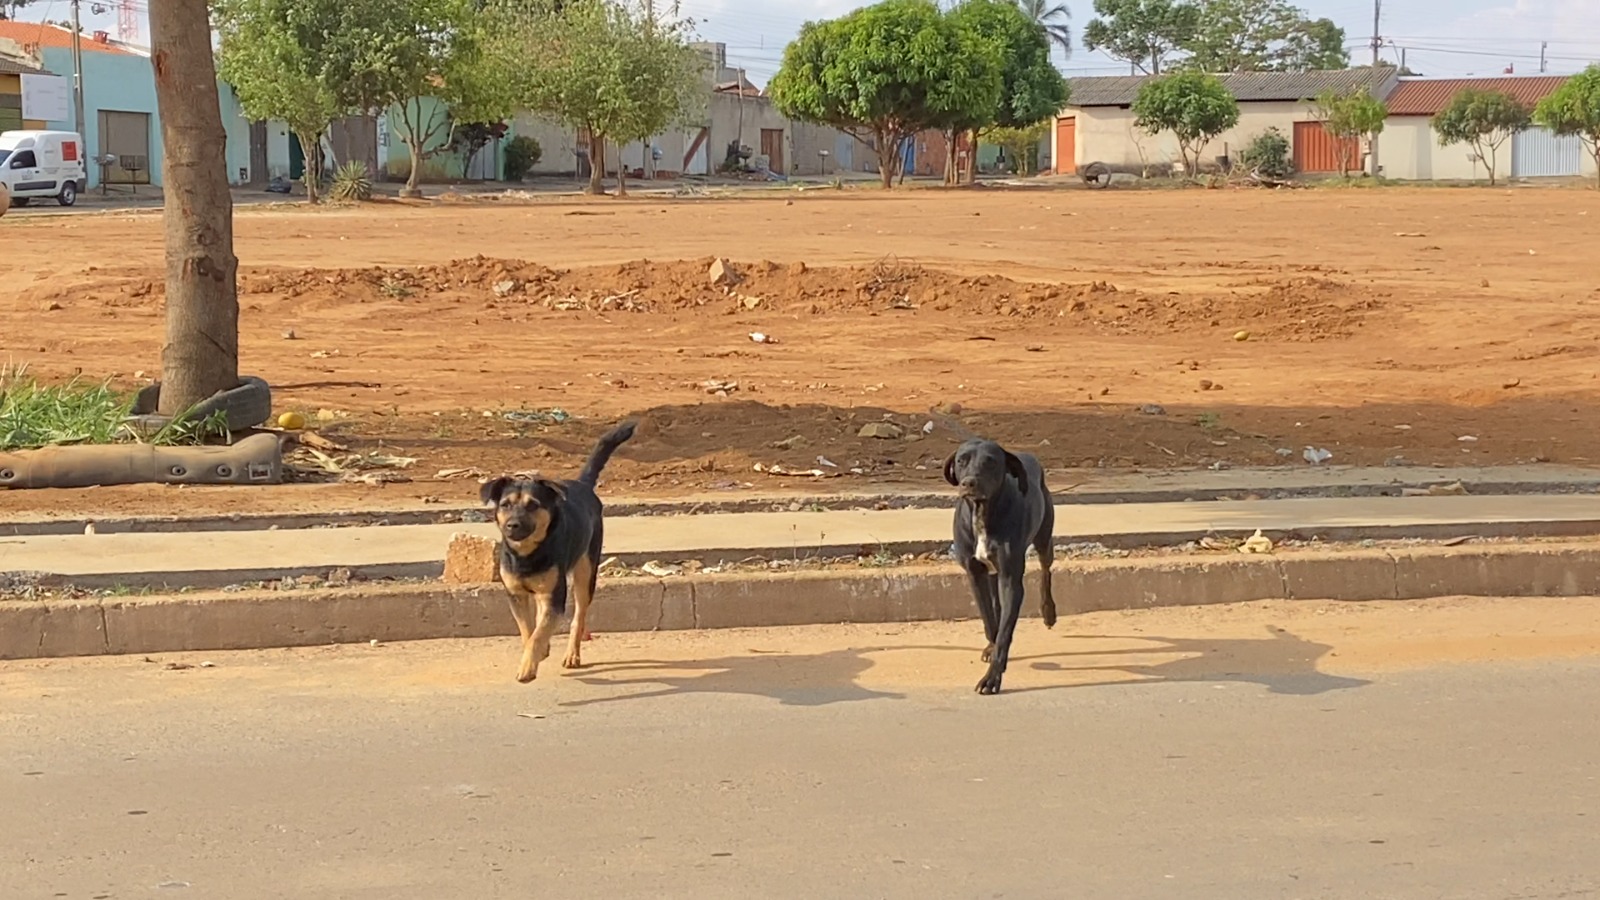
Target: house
column 1098, row 124
column 1411, row 151
column 119, row 99
column 14, row 64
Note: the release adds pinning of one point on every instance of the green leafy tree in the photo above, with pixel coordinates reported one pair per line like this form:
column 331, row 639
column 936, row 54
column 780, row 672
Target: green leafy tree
column 1484, row 121
column 1031, row 88
column 10, row 8
column 1350, row 118
column 1143, row 32
column 885, row 72
column 1022, row 144
column 1574, row 110
column 280, row 57
column 1052, row 17
column 614, row 70
column 399, row 53
column 1194, row 106
column 1263, row 35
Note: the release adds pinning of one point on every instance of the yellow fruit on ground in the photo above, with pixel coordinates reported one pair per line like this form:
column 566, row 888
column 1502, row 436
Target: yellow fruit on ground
column 1241, row 335
column 291, row 421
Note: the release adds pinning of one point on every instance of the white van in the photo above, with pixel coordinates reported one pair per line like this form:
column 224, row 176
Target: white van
column 38, row 164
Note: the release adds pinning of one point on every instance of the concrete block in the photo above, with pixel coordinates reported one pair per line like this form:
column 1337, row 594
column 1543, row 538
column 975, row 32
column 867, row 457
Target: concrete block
column 471, row 559
column 1530, row 571
column 1361, row 575
column 32, row 629
column 1147, row 583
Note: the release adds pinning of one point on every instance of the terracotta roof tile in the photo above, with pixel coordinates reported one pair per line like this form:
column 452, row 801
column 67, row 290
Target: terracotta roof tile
column 1428, row 96
column 38, row 34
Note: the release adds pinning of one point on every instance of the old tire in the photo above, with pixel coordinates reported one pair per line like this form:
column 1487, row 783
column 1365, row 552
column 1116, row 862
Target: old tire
column 1096, row 175
column 246, row 406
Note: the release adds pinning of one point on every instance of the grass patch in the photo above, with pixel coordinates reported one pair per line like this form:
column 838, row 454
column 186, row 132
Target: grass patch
column 34, row 414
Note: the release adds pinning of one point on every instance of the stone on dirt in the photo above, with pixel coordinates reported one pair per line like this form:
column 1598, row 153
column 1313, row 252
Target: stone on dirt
column 471, row 559
column 887, row 431
column 722, row 273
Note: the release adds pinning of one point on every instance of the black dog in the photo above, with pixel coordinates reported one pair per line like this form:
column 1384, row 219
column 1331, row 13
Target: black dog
column 1003, row 507
column 549, row 529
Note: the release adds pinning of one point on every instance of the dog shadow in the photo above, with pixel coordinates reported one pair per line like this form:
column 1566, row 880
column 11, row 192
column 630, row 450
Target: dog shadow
column 809, row 679
column 1283, row 663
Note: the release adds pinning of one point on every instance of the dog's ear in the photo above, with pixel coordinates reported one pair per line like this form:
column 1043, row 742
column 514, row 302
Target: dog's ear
column 950, row 469
column 490, row 493
column 554, row 487
column 1015, row 470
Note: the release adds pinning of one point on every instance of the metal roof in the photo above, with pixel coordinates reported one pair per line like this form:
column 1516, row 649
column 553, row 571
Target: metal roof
column 1429, row 96
column 1248, row 87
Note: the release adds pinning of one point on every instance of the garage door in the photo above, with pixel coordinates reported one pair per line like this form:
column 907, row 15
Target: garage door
column 1066, row 149
column 1539, row 153
column 126, row 135
column 1316, row 151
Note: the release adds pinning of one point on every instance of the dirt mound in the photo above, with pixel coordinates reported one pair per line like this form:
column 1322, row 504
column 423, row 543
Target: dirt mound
column 1299, row 308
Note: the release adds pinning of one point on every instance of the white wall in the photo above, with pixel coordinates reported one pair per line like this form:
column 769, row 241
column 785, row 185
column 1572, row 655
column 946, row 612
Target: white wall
column 1409, row 151
column 557, row 143
column 1108, row 135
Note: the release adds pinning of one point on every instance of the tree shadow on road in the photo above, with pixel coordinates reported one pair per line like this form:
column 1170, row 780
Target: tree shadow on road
column 1283, row 663
column 813, row 679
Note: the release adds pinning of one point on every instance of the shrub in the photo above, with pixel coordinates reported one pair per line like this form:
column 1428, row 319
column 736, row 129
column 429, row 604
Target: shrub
column 1268, row 153
column 352, row 183
column 522, row 154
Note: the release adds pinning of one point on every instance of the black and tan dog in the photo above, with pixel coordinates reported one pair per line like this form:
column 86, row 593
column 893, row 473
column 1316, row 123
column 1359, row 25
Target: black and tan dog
column 1002, row 508
column 548, row 531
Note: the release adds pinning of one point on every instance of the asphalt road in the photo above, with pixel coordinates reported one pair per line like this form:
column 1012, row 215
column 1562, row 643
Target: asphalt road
column 1290, row 750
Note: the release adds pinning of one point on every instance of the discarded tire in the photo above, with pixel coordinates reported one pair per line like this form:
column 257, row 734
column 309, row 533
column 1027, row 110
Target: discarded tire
column 1096, row 175
column 246, row 406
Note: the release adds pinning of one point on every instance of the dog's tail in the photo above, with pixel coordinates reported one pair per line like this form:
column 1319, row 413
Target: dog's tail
column 607, row 445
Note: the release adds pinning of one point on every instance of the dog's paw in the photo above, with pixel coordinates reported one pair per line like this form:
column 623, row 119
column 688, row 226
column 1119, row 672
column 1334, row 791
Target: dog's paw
column 988, row 652
column 573, row 661
column 1049, row 614
column 527, row 675
column 989, row 683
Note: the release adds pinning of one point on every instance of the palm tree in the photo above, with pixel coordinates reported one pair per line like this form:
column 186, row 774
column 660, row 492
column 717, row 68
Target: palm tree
column 1052, row 18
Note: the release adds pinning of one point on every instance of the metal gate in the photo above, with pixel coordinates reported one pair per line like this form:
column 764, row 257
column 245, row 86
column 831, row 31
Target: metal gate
column 126, row 135
column 1540, row 153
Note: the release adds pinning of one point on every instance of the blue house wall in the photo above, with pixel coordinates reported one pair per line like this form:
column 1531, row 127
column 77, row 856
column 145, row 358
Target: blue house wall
column 119, row 82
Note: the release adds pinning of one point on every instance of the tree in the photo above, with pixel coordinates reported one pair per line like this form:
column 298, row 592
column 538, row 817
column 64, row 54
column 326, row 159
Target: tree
column 1483, row 120
column 1263, row 35
column 1143, row 32
column 610, row 69
column 1194, row 106
column 1022, row 144
column 10, row 8
column 201, row 353
column 885, row 72
column 282, row 58
column 1052, row 17
column 1574, row 109
column 1031, row 88
column 399, row 53
column 1350, row 118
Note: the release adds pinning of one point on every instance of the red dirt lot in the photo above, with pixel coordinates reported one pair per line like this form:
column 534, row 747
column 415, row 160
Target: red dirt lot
column 1384, row 325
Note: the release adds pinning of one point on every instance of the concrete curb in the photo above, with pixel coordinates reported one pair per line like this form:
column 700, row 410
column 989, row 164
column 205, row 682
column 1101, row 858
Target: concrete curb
column 909, row 499
column 222, row 621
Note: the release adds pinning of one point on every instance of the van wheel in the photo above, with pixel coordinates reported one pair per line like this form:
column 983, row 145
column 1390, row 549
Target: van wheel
column 68, row 195
column 19, row 202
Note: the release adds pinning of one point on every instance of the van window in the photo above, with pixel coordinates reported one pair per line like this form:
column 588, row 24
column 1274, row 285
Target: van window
column 3, row 155
column 23, row 159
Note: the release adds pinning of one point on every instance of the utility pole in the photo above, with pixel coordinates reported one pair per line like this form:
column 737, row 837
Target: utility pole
column 1543, row 46
column 77, row 73
column 1377, row 39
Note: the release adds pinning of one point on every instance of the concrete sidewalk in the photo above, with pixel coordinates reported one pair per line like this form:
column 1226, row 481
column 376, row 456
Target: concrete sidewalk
column 218, row 558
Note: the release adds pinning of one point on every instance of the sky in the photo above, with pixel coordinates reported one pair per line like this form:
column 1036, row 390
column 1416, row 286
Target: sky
column 1439, row 37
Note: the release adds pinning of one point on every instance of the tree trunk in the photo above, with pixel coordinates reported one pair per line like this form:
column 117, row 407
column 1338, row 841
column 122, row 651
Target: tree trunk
column 952, row 170
column 622, row 174
column 887, row 155
column 597, row 164
column 311, row 149
column 971, row 162
column 201, row 354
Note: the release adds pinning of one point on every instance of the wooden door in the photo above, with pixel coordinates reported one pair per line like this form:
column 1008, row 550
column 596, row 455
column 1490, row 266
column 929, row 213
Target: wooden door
column 1066, row 149
column 772, row 149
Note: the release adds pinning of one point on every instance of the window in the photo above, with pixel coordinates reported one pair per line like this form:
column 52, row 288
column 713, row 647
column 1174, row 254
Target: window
column 23, row 159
